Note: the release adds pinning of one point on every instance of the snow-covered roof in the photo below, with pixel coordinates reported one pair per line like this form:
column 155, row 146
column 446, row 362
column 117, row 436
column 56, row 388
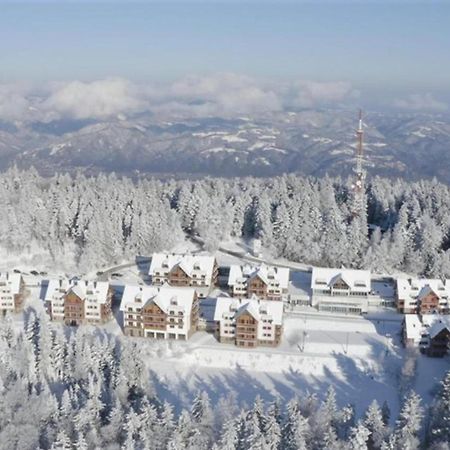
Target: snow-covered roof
column 164, row 296
column 187, row 262
column 97, row 290
column 257, row 308
column 12, row 281
column 324, row 278
column 413, row 327
column 411, row 288
column 239, row 274
column 430, row 324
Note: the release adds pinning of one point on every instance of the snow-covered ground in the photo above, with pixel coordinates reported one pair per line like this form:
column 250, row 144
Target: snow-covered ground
column 360, row 356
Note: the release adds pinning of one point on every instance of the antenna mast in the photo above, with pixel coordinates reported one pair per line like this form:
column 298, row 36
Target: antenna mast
column 358, row 187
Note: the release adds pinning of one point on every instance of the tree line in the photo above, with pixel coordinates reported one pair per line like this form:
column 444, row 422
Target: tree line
column 95, row 221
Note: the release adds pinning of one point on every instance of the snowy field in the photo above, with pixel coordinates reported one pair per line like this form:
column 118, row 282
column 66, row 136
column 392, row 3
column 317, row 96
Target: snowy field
column 362, row 358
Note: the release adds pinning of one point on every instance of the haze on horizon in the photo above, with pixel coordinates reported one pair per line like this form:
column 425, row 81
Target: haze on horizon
column 124, row 56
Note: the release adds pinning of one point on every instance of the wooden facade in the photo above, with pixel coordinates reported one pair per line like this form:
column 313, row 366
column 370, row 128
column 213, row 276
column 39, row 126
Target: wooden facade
column 428, row 303
column 153, row 322
column 73, row 309
column 12, row 300
column 439, row 344
column 246, row 331
column 256, row 286
column 193, row 274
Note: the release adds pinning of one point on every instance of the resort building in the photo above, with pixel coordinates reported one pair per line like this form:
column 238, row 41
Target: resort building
column 163, row 312
column 12, row 292
column 184, row 270
column 422, row 295
column 266, row 282
column 249, row 322
column 430, row 333
column 340, row 290
column 77, row 302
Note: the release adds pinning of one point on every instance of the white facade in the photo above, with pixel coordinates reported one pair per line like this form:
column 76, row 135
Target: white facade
column 200, row 268
column 94, row 293
column 275, row 278
column 10, row 286
column 269, row 314
column 175, row 302
column 340, row 290
column 410, row 290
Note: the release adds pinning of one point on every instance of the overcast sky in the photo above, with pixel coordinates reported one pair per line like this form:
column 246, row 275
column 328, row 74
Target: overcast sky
column 380, row 48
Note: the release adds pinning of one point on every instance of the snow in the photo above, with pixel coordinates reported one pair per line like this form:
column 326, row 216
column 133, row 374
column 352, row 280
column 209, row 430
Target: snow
column 356, row 280
column 233, row 138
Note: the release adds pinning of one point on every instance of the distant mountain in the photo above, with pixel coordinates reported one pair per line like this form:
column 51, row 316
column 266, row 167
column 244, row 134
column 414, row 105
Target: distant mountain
column 308, row 142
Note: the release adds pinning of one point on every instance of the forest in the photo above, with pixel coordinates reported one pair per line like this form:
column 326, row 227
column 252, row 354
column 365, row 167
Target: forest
column 82, row 389
column 92, row 222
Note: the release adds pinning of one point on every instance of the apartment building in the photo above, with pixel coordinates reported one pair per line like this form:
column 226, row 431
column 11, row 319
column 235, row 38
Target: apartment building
column 422, row 295
column 163, row 312
column 77, row 302
column 249, row 322
column 184, row 270
column 12, row 292
column 266, row 282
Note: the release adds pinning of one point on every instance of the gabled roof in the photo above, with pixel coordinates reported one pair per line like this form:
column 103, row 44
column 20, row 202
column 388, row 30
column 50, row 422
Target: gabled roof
column 163, row 297
column 12, row 280
column 239, row 274
column 357, row 280
column 429, row 324
column 186, row 262
column 426, row 290
column 255, row 307
column 339, row 277
column 97, row 290
column 411, row 288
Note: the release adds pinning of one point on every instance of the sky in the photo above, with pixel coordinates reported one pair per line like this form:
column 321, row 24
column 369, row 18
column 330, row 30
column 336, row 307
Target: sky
column 382, row 49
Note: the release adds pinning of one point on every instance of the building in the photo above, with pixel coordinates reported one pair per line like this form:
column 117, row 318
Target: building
column 249, row 322
column 422, row 295
column 430, row 333
column 266, row 282
column 184, row 270
column 12, row 292
column 340, row 290
column 161, row 312
column 77, row 302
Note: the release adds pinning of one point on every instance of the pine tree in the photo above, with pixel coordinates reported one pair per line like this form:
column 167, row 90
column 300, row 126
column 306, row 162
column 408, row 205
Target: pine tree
column 373, row 421
column 409, row 423
column 359, row 437
column 439, row 430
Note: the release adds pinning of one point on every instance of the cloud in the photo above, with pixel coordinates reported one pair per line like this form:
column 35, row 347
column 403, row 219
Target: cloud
column 221, row 94
column 98, row 99
column 14, row 104
column 420, row 102
column 307, row 93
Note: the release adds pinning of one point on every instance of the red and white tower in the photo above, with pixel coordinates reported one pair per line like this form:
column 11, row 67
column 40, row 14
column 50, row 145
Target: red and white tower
column 358, row 186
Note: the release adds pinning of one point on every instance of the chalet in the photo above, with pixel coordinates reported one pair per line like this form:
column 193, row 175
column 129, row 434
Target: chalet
column 249, row 322
column 266, row 282
column 184, row 270
column 163, row 312
column 429, row 332
column 77, row 302
column 12, row 292
column 340, row 290
column 422, row 295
